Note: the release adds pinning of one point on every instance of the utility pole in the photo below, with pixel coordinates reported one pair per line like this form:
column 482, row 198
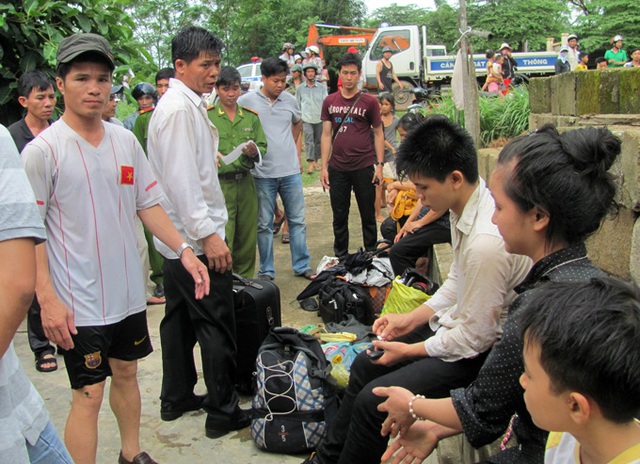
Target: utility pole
column 470, row 86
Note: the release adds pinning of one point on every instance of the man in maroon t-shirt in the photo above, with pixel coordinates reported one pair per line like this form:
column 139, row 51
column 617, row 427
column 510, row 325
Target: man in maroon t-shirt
column 355, row 147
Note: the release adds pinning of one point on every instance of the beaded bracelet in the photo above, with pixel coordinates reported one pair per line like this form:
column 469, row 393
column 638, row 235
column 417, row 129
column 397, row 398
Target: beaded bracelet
column 411, row 411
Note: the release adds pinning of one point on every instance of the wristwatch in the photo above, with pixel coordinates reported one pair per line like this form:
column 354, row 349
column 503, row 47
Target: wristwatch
column 183, row 247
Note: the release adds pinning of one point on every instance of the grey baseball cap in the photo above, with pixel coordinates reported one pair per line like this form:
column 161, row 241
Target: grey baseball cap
column 77, row 44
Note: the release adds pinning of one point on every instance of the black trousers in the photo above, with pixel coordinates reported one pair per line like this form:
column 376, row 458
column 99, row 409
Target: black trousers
column 38, row 341
column 342, row 182
column 210, row 322
column 409, row 248
column 354, row 435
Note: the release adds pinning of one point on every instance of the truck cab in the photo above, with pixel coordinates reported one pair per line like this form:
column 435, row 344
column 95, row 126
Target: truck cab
column 406, row 59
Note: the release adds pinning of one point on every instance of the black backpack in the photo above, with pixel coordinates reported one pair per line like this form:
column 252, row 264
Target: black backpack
column 338, row 298
column 295, row 398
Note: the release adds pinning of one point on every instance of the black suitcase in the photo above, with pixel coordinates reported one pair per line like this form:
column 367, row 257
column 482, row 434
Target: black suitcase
column 257, row 308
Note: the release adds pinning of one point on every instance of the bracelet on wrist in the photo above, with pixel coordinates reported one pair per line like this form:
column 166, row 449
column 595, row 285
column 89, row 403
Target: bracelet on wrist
column 411, row 411
column 379, row 163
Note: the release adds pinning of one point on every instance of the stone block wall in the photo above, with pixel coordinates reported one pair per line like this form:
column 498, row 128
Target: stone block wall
column 609, row 98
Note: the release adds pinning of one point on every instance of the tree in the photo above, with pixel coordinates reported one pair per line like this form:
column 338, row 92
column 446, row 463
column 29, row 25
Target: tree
column 603, row 19
column 396, row 15
column 519, row 22
column 30, row 31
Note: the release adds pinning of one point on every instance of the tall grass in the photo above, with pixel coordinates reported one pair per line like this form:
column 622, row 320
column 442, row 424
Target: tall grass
column 500, row 117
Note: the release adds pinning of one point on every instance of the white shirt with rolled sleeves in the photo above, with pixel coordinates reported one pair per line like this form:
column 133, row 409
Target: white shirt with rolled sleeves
column 472, row 303
column 182, row 147
column 89, row 197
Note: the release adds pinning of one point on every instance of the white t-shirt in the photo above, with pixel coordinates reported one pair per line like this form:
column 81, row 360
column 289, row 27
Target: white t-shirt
column 89, row 197
column 563, row 448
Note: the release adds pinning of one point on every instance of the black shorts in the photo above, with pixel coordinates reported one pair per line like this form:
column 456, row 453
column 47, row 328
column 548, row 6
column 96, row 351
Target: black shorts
column 88, row 362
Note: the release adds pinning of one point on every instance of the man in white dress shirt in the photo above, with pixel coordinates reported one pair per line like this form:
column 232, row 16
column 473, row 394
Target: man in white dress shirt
column 182, row 146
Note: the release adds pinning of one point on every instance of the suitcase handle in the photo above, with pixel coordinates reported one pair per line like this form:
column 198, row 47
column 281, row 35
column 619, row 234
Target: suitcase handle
column 246, row 282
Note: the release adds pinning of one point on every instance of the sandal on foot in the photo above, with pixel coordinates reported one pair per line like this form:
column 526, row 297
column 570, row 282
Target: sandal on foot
column 277, row 225
column 46, row 358
column 286, row 238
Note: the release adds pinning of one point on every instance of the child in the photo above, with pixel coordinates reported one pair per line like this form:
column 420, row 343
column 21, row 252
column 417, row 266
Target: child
column 582, row 369
column 390, row 126
column 490, row 78
column 584, row 59
column 601, row 63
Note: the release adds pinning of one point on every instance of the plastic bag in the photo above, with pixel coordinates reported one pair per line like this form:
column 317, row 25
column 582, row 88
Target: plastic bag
column 403, row 299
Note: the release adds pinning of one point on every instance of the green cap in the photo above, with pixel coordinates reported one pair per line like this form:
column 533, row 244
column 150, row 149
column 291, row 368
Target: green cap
column 77, row 44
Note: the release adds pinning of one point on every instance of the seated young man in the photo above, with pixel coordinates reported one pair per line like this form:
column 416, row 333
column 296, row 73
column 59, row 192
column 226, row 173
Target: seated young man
column 441, row 344
column 582, row 370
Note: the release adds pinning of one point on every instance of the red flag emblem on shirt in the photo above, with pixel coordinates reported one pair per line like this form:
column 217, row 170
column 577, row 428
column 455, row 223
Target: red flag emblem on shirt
column 126, row 175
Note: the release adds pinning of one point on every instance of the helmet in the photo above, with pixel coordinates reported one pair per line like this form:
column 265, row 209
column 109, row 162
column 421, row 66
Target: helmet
column 503, row 46
column 314, row 49
column 616, row 39
column 309, row 65
column 296, row 67
column 116, row 89
column 387, row 49
column 352, row 50
column 572, row 36
column 564, row 48
column 297, row 57
column 144, row 88
column 287, row 46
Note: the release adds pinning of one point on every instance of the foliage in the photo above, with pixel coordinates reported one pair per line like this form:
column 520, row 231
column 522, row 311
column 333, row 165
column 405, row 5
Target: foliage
column 30, row 31
column 602, row 19
column 156, row 22
column 500, row 117
column 518, row 22
column 442, row 23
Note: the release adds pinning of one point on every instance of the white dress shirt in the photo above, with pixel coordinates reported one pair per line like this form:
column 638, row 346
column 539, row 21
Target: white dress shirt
column 471, row 305
column 182, row 146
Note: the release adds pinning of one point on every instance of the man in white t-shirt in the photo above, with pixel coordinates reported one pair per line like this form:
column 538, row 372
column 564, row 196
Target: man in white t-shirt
column 91, row 179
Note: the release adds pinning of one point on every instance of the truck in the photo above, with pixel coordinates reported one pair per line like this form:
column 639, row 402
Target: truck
column 419, row 64
column 415, row 62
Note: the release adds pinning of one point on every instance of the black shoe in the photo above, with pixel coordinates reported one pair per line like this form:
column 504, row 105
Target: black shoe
column 141, row 458
column 171, row 411
column 242, row 419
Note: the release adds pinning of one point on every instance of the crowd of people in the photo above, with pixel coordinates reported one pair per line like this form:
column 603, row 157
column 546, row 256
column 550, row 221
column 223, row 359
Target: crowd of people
column 571, row 58
column 525, row 336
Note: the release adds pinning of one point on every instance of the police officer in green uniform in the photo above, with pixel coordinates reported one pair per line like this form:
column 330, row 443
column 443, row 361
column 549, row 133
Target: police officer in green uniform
column 236, row 125
column 147, row 96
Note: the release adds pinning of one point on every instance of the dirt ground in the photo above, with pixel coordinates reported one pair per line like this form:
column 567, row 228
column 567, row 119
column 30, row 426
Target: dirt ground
column 183, row 440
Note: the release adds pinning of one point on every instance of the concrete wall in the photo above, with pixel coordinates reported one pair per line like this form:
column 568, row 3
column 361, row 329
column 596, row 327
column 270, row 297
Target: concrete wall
column 609, row 98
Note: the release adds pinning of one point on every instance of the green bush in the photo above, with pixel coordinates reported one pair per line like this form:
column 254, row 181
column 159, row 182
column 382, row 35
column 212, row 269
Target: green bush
column 500, row 117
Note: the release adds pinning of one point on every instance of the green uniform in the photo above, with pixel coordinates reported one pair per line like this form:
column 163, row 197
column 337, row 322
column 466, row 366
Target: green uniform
column 237, row 184
column 141, row 131
column 141, row 127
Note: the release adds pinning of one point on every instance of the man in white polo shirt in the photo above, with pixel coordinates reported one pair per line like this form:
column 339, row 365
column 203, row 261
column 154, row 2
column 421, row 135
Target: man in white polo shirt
column 90, row 180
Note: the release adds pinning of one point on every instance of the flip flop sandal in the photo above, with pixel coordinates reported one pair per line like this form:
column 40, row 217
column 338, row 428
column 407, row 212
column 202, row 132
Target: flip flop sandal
column 46, row 358
column 286, row 238
column 277, row 225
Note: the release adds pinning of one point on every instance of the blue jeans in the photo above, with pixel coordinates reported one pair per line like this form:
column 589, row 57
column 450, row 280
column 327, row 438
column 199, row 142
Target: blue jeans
column 49, row 449
column 290, row 189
